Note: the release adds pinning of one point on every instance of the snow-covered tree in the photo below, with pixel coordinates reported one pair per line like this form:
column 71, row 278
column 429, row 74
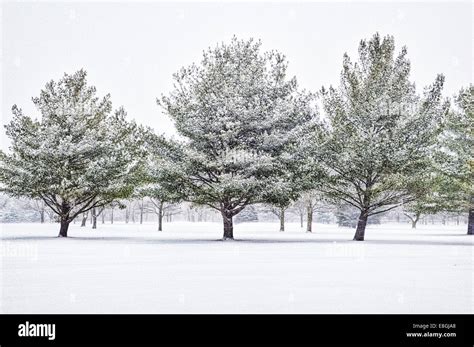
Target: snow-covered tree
column 381, row 133
column 288, row 190
column 159, row 206
column 40, row 207
column 248, row 214
column 428, row 200
column 414, row 210
column 456, row 162
column 129, row 211
column 78, row 156
column 111, row 206
column 95, row 213
column 313, row 203
column 242, row 121
column 347, row 216
column 140, row 204
column 13, row 210
column 160, row 201
column 278, row 211
column 299, row 208
column 161, row 196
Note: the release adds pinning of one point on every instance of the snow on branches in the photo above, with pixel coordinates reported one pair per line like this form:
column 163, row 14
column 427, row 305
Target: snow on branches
column 242, row 119
column 78, row 156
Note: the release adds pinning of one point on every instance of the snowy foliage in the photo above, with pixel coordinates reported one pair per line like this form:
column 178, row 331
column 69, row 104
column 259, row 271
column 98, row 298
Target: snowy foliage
column 248, row 214
column 242, row 120
column 249, row 137
column 381, row 134
column 347, row 216
column 455, row 162
column 13, row 210
column 77, row 156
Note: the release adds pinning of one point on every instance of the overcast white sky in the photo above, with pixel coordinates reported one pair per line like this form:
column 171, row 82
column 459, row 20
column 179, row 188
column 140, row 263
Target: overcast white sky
column 131, row 50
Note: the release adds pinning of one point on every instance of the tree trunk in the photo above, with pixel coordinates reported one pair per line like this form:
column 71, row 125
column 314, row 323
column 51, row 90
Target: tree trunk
column 84, row 219
column 309, row 226
column 415, row 220
column 42, row 217
column 94, row 218
column 112, row 216
column 282, row 219
column 301, row 218
column 103, row 216
column 361, row 224
column 470, row 222
column 64, row 227
column 228, row 226
column 141, row 215
column 160, row 216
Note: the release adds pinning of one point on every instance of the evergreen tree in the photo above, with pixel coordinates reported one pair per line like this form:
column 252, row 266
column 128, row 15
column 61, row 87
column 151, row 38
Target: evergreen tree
column 455, row 158
column 162, row 195
column 299, row 208
column 78, row 156
column 38, row 206
column 242, row 120
column 160, row 201
column 248, row 214
column 314, row 202
column 381, row 134
column 346, row 216
column 428, row 200
column 279, row 211
column 414, row 210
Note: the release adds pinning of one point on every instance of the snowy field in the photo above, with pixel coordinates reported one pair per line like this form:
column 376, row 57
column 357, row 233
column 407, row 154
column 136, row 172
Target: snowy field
column 185, row 269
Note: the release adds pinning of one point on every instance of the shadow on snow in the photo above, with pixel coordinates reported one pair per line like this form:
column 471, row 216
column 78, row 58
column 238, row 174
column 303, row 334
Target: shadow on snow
column 139, row 240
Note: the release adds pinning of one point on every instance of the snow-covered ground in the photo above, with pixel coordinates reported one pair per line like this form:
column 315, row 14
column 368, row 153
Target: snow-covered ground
column 185, row 269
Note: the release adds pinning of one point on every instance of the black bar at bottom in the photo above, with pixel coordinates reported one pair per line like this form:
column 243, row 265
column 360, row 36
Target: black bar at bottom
column 291, row 330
